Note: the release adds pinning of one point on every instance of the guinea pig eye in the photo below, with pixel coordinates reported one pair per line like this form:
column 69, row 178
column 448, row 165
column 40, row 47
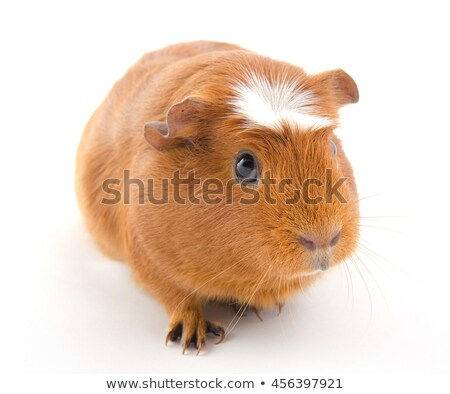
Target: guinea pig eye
column 333, row 148
column 246, row 167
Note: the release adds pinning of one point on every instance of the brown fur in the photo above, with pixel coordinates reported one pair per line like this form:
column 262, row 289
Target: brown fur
column 187, row 254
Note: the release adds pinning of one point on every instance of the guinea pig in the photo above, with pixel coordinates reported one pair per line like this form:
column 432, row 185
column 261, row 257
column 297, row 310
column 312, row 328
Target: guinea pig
column 216, row 174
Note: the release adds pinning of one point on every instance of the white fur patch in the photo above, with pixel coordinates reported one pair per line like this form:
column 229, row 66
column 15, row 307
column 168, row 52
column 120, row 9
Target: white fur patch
column 269, row 104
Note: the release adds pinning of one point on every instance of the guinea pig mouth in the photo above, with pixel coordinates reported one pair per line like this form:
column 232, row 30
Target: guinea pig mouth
column 319, row 262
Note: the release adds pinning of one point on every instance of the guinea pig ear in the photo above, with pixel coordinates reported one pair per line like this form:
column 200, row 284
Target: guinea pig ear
column 178, row 129
column 341, row 85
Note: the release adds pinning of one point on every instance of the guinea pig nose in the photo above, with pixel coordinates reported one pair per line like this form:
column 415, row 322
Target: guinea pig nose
column 334, row 240
column 324, row 265
column 312, row 242
column 307, row 242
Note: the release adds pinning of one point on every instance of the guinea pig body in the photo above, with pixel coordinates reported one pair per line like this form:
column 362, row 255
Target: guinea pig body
column 229, row 183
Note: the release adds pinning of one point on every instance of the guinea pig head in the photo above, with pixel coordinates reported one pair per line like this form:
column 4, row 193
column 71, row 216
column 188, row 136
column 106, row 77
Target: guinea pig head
column 274, row 189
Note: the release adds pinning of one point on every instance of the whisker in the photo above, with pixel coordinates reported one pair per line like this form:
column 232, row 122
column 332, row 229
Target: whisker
column 365, row 285
column 370, row 196
column 384, row 259
column 388, row 229
column 247, row 303
column 372, row 276
column 349, row 280
column 367, row 253
column 240, row 312
column 385, row 217
column 205, row 283
column 279, row 315
column 290, row 286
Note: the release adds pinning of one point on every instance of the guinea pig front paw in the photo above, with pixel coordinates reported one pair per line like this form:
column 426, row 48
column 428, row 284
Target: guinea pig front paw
column 192, row 327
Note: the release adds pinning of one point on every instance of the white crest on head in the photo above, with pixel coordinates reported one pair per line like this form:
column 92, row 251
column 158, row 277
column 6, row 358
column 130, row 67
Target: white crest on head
column 270, row 103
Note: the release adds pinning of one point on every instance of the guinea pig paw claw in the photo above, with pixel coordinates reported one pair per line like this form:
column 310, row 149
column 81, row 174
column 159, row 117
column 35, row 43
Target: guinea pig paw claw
column 174, row 333
column 200, row 345
column 216, row 329
column 280, row 307
column 192, row 340
column 194, row 333
column 185, row 346
column 257, row 314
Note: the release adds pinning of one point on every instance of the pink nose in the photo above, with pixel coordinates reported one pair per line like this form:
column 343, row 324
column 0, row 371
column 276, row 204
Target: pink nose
column 312, row 243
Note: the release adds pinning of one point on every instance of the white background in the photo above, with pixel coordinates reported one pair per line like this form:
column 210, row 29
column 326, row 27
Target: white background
column 65, row 308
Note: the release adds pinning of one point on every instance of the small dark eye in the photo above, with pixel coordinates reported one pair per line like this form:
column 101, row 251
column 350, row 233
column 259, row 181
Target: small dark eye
column 246, row 167
column 333, row 148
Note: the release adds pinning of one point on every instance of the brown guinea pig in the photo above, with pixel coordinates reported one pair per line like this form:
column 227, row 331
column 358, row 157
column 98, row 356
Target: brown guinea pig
column 216, row 174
